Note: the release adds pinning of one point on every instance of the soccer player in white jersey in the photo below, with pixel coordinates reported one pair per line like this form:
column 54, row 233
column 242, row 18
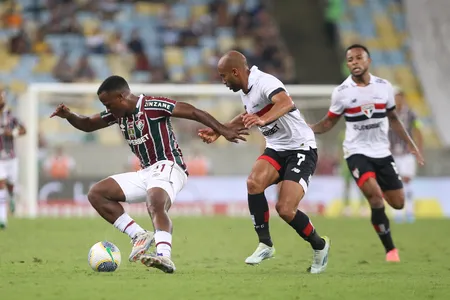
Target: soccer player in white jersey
column 145, row 125
column 368, row 105
column 404, row 160
column 290, row 155
column 10, row 129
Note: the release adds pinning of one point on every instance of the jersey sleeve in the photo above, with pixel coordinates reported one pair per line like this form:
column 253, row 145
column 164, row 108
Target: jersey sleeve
column 337, row 107
column 156, row 108
column 108, row 117
column 390, row 103
column 271, row 86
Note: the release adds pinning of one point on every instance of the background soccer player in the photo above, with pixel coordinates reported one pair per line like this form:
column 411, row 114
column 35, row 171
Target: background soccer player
column 368, row 106
column 404, row 160
column 10, row 128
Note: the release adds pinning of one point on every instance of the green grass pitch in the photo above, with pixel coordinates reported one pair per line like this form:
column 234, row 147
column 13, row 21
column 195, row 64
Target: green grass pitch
column 47, row 259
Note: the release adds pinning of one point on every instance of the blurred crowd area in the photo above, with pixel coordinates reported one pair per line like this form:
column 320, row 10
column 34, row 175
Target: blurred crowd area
column 145, row 41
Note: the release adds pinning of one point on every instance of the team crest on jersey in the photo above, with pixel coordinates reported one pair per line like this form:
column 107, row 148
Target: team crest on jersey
column 355, row 173
column 140, row 124
column 368, row 110
column 130, row 130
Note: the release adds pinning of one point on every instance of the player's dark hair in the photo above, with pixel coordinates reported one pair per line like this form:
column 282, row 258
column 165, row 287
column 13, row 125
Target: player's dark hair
column 358, row 46
column 113, row 83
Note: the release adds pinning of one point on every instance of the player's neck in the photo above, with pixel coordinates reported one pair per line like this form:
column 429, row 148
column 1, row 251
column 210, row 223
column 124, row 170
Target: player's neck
column 245, row 87
column 362, row 80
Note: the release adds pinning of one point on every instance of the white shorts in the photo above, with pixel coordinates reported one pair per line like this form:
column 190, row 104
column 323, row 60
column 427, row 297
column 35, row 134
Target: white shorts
column 164, row 174
column 8, row 170
column 406, row 165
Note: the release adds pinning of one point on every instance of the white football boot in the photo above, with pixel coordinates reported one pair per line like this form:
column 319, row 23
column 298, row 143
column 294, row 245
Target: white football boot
column 261, row 253
column 320, row 258
column 162, row 263
column 141, row 243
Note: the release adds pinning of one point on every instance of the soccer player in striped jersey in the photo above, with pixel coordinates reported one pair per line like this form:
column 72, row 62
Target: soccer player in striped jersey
column 404, row 160
column 145, row 124
column 368, row 105
column 10, row 128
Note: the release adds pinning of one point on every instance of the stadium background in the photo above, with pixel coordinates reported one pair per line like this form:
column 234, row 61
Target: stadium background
column 153, row 42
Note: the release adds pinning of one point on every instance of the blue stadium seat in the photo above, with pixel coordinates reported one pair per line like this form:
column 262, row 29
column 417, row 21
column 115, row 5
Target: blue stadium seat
column 396, row 58
column 140, row 77
column 192, row 56
column 208, row 42
column 100, row 66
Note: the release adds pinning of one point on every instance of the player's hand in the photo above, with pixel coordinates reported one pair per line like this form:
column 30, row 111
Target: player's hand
column 208, row 135
column 234, row 134
column 61, row 111
column 418, row 155
column 251, row 120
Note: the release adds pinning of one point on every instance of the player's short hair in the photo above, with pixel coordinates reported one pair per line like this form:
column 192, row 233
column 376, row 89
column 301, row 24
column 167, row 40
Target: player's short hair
column 358, row 46
column 113, row 83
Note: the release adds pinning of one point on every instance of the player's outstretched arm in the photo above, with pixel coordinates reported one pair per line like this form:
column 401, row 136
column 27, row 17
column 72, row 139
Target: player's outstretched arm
column 83, row 123
column 210, row 136
column 325, row 124
column 399, row 129
column 187, row 111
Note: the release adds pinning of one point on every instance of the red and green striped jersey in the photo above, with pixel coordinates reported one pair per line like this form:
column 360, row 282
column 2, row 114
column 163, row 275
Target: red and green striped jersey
column 148, row 131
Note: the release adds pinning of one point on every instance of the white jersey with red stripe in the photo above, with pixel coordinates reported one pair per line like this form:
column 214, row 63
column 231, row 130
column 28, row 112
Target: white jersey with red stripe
column 290, row 131
column 364, row 109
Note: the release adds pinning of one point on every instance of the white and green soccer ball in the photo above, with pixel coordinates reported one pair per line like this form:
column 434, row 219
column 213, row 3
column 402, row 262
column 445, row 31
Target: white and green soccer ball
column 104, row 257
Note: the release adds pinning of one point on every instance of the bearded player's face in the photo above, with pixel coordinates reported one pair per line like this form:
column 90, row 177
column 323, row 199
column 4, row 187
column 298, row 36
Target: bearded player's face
column 358, row 61
column 230, row 78
column 114, row 103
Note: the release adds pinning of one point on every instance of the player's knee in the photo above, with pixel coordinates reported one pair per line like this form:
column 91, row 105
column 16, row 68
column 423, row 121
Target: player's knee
column 398, row 202
column 254, row 186
column 95, row 194
column 158, row 201
column 376, row 200
column 285, row 212
column 2, row 184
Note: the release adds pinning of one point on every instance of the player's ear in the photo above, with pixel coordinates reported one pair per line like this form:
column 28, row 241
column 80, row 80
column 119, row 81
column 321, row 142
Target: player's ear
column 235, row 72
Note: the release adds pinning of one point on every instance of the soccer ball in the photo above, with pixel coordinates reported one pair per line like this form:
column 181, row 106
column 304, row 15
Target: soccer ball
column 104, row 257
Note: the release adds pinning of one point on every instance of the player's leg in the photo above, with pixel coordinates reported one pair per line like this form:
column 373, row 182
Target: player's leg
column 363, row 170
column 11, row 181
column 3, row 195
column 105, row 196
column 299, row 167
column 406, row 167
column 347, row 209
column 164, row 181
column 264, row 173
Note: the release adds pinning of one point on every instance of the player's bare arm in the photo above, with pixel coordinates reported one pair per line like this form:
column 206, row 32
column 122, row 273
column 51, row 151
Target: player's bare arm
column 417, row 135
column 187, row 111
column 209, row 136
column 282, row 104
column 399, row 129
column 83, row 123
column 326, row 124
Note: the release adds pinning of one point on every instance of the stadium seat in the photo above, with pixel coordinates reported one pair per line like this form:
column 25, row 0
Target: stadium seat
column 173, row 56
column 45, row 64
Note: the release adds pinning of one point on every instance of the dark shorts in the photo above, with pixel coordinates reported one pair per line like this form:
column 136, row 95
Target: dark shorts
column 294, row 165
column 382, row 169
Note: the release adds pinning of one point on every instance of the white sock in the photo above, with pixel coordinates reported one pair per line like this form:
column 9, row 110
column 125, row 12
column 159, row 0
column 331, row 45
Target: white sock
column 163, row 241
column 3, row 206
column 409, row 200
column 127, row 225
